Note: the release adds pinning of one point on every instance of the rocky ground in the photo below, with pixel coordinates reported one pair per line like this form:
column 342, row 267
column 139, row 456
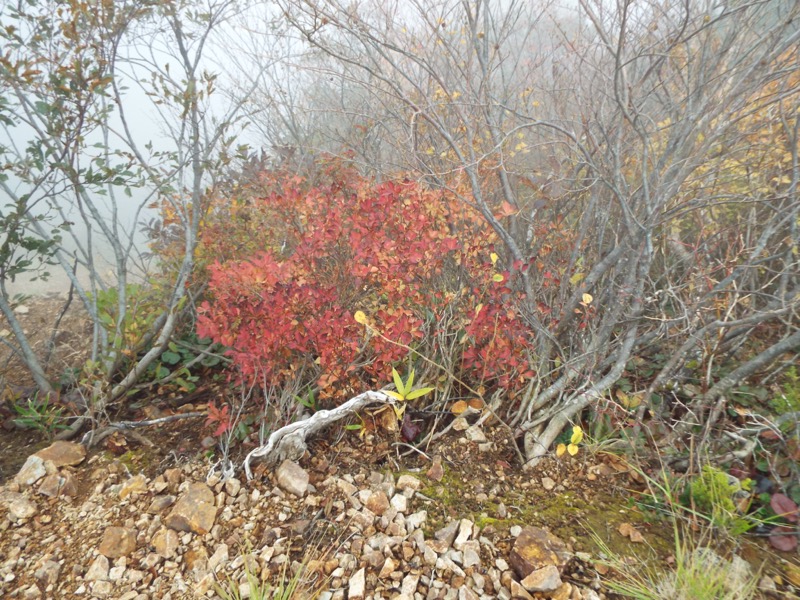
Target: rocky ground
column 354, row 522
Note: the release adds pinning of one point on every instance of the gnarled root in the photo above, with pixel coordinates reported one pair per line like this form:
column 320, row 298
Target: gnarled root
column 290, row 441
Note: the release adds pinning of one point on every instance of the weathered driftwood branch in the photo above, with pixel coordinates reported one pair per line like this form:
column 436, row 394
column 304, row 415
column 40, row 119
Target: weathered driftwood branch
column 290, row 441
column 91, row 438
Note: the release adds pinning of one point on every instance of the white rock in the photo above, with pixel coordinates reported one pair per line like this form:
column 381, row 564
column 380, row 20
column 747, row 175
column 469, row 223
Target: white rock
column 98, row 571
column 219, row 558
column 415, row 521
column 405, row 482
column 387, row 569
column 244, row 590
column 467, row 594
column 357, row 585
column 409, row 586
column 475, row 434
column 460, row 424
column 472, row 554
column 400, row 503
column 292, row 478
column 31, row 472
column 232, row 486
column 464, row 533
column 546, row 579
column 19, row 507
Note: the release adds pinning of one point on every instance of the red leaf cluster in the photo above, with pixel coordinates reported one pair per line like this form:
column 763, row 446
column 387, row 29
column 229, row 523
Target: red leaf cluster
column 392, row 250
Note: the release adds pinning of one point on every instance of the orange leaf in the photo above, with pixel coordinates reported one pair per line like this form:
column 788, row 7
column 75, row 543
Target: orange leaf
column 458, row 407
column 506, row 210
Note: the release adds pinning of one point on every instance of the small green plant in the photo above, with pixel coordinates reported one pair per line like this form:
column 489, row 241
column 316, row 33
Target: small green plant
column 309, row 401
column 698, row 573
column 179, row 361
column 256, row 586
column 405, row 391
column 719, row 497
column 789, row 400
column 141, row 308
column 40, row 414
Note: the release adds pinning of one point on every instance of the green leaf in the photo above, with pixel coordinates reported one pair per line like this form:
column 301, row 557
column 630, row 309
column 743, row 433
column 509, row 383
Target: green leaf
column 353, row 427
column 418, row 393
column 410, row 380
column 187, row 386
column 171, row 358
column 210, row 361
column 398, row 382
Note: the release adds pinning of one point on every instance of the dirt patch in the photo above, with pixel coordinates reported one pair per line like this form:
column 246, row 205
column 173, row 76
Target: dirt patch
column 58, row 332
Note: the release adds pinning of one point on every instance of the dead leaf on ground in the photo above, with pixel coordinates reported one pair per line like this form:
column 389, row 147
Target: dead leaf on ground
column 793, row 574
column 601, row 470
column 476, row 404
column 458, row 407
column 436, row 471
column 636, row 477
column 629, row 531
column 783, row 539
column 386, row 419
column 618, row 463
column 116, row 443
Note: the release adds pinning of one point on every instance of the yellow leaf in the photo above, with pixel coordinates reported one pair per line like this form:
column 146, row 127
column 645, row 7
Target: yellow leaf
column 478, row 309
column 577, row 435
column 498, row 278
column 576, row 279
column 360, row 317
column 560, row 449
column 494, row 258
column 587, row 298
column 572, row 449
column 394, row 395
column 629, row 401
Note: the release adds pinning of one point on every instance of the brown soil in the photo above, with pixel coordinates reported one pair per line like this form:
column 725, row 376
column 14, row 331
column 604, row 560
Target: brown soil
column 67, row 344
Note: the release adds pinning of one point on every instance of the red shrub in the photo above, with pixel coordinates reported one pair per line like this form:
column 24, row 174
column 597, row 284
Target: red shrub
column 389, row 250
